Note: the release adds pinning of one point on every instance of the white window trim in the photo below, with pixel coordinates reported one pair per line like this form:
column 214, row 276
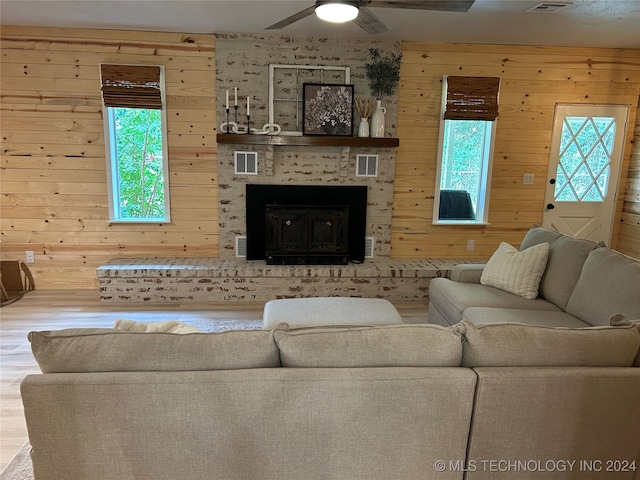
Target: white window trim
column 113, row 187
column 483, row 204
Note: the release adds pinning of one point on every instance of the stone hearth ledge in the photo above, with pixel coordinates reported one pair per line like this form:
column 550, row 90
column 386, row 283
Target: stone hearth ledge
column 204, row 279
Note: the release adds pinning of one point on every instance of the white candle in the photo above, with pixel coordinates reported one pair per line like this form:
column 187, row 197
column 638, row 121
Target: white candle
column 248, row 111
column 227, row 99
column 236, row 96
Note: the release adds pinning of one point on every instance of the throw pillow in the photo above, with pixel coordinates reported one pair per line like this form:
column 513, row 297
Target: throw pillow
column 516, row 272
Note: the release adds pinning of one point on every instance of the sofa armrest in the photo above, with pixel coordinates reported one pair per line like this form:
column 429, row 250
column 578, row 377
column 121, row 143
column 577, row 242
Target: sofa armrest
column 467, row 272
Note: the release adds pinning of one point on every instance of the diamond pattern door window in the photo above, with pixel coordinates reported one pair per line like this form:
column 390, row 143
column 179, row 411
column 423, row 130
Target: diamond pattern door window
column 585, row 159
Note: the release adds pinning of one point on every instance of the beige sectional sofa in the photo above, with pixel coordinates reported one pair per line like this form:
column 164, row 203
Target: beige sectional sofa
column 495, row 401
column 583, row 284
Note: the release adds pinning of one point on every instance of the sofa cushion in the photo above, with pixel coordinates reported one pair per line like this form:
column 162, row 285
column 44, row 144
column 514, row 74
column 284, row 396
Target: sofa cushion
column 519, row 345
column 566, row 258
column 609, row 283
column 105, row 350
column 636, row 362
column 516, row 272
column 530, row 317
column 381, row 346
column 619, row 319
column 536, row 235
column 452, row 298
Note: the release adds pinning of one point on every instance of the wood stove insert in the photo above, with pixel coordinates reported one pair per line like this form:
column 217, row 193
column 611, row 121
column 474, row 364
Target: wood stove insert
column 306, row 234
column 306, row 224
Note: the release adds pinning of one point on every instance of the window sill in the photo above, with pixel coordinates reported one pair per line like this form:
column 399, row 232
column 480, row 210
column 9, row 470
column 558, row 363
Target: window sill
column 158, row 221
column 461, row 222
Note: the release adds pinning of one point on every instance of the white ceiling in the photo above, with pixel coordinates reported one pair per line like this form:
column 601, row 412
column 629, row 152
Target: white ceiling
column 587, row 23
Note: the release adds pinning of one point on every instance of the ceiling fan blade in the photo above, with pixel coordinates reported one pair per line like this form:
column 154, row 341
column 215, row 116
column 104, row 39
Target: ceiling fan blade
column 293, row 18
column 442, row 5
column 369, row 22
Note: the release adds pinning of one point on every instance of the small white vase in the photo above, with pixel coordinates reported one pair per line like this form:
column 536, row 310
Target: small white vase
column 363, row 129
column 377, row 120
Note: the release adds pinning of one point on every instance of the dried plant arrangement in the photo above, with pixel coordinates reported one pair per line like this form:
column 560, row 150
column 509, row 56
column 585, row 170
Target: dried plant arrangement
column 364, row 107
column 383, row 72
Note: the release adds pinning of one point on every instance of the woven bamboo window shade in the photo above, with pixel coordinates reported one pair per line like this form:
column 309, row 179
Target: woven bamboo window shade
column 131, row 86
column 472, row 98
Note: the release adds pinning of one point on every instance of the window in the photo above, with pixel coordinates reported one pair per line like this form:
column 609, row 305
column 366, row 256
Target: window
column 467, row 131
column 584, row 159
column 135, row 142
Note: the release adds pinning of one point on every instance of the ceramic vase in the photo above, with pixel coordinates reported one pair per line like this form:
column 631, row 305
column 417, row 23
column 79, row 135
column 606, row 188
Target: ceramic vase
column 363, row 129
column 377, row 120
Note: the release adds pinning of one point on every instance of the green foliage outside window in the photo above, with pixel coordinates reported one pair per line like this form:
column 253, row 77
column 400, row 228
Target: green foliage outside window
column 462, row 156
column 139, row 163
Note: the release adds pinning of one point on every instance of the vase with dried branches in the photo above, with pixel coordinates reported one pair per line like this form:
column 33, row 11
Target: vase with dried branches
column 383, row 72
column 364, row 107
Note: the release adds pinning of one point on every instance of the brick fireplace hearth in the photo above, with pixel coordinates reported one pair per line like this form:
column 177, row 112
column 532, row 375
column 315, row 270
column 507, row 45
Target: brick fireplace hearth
column 213, row 280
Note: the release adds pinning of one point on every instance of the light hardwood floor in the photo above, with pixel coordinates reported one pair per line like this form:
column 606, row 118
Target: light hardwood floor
column 56, row 309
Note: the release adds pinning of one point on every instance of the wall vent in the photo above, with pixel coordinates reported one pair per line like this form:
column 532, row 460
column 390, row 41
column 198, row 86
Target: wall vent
column 369, row 244
column 241, row 246
column 366, row 165
column 245, row 163
column 549, row 7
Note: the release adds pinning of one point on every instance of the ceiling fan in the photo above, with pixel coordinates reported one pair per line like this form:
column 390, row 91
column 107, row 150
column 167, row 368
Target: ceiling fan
column 358, row 11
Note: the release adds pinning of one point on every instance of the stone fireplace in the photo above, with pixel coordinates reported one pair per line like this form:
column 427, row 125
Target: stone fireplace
column 303, row 169
column 243, row 61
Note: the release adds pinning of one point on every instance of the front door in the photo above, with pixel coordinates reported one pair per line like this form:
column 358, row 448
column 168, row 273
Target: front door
column 584, row 170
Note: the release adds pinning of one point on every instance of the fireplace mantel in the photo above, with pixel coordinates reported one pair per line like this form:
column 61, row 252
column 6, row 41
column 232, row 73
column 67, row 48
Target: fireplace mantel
column 319, row 141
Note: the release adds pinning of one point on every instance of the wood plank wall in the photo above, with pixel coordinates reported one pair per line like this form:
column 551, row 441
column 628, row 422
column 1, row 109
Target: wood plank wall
column 533, row 79
column 629, row 237
column 54, row 191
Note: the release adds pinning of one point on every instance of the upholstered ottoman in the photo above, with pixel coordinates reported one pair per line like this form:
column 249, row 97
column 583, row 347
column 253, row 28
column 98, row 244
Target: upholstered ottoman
column 304, row 312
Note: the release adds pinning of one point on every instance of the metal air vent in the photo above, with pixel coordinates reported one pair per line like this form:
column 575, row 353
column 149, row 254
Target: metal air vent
column 241, row 246
column 369, row 245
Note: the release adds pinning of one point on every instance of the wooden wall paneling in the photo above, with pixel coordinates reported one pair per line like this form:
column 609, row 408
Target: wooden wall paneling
column 629, row 232
column 53, row 161
column 53, row 167
column 533, row 80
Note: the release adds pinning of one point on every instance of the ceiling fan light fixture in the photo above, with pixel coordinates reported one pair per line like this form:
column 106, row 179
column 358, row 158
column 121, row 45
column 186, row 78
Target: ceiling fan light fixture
column 336, row 12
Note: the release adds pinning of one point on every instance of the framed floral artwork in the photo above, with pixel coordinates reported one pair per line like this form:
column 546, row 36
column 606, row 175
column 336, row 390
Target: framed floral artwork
column 327, row 109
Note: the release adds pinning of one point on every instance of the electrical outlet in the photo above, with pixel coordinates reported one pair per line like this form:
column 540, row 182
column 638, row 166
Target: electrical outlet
column 29, row 257
column 471, row 245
